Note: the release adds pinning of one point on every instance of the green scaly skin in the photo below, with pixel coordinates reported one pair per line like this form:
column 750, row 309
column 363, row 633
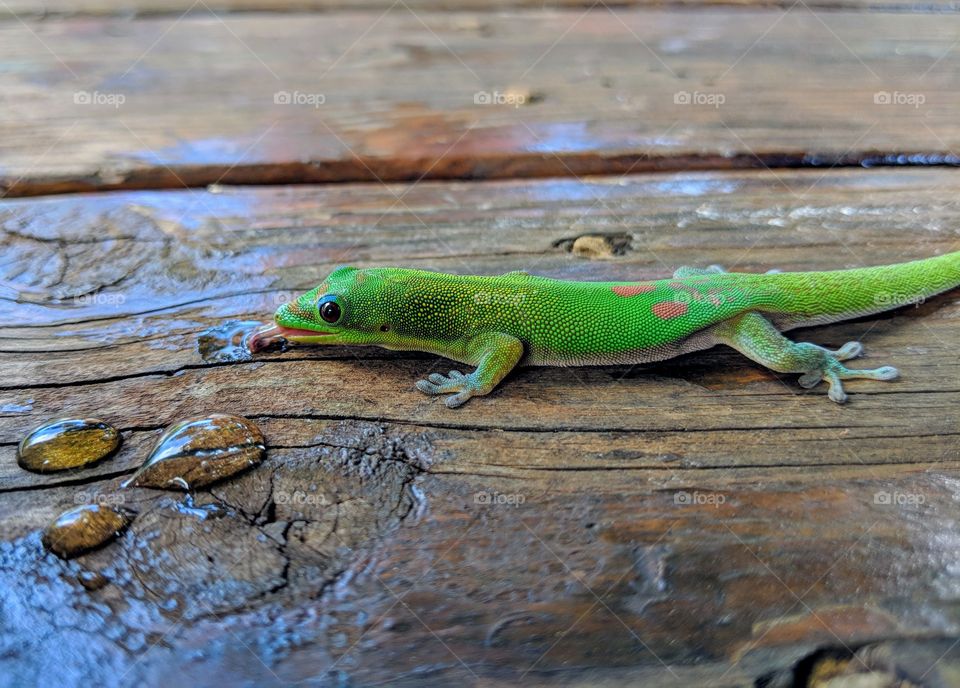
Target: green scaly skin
column 497, row 323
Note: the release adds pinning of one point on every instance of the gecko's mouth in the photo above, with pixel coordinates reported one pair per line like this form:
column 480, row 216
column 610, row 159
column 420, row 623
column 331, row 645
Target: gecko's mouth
column 273, row 334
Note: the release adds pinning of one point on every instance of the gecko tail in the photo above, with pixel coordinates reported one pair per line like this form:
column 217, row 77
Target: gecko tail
column 823, row 297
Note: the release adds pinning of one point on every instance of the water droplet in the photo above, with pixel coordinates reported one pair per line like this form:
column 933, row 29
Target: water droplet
column 199, row 451
column 92, row 580
column 67, row 443
column 25, row 407
column 200, row 512
column 85, row 528
column 229, row 341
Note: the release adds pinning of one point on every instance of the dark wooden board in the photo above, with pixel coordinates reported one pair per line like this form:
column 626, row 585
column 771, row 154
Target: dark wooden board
column 696, row 522
column 602, row 91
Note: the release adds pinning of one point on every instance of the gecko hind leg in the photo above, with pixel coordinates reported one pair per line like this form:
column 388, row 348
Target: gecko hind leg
column 756, row 338
column 690, row 271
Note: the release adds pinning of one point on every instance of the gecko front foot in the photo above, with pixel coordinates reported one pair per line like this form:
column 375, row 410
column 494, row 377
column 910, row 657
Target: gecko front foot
column 464, row 386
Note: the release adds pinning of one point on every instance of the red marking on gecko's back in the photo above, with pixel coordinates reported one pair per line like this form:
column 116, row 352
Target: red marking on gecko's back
column 669, row 309
column 632, row 289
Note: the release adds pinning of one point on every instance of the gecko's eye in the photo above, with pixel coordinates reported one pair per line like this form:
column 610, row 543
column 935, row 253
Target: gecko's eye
column 329, row 309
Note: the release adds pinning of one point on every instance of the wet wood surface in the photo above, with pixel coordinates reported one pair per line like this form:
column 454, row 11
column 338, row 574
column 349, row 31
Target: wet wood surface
column 114, row 102
column 697, row 522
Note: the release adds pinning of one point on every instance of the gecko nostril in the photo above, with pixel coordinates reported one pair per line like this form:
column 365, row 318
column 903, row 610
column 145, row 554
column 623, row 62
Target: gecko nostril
column 384, row 328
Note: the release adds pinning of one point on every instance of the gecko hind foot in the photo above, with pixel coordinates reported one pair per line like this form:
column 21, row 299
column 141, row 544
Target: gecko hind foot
column 463, row 386
column 830, row 368
column 835, row 372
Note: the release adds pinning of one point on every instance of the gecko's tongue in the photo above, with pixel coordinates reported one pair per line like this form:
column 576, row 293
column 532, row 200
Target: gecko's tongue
column 269, row 335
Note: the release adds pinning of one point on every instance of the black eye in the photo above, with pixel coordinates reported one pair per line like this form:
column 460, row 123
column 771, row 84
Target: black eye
column 329, row 311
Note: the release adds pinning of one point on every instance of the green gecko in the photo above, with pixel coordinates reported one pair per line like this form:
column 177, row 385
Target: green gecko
column 497, row 323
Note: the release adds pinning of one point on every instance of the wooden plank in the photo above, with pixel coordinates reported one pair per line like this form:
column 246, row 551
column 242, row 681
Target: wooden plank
column 698, row 522
column 108, row 103
column 47, row 8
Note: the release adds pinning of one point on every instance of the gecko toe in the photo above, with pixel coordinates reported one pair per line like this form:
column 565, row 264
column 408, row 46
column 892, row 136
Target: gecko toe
column 810, row 380
column 458, row 399
column 427, row 387
column 848, row 351
column 836, row 392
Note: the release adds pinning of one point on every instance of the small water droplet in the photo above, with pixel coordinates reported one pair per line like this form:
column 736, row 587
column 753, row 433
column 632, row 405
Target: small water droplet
column 199, row 451
column 25, row 407
column 84, row 528
column 200, row 512
column 92, row 580
column 67, row 443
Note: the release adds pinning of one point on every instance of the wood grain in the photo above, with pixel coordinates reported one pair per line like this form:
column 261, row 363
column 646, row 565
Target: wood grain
column 697, row 522
column 602, row 91
column 47, row 8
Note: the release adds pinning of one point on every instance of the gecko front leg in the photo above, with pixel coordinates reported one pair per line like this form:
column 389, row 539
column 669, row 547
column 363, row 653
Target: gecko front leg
column 756, row 338
column 496, row 354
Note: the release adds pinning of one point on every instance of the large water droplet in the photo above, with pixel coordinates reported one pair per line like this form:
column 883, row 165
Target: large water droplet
column 85, row 528
column 200, row 451
column 67, row 443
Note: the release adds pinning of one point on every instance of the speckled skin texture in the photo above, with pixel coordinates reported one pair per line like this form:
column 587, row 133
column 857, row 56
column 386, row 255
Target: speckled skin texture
column 498, row 322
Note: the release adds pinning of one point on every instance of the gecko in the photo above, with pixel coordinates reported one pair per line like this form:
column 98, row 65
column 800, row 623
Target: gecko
column 496, row 323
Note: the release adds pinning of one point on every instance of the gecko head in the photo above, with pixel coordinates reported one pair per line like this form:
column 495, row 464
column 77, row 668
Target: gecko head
column 346, row 308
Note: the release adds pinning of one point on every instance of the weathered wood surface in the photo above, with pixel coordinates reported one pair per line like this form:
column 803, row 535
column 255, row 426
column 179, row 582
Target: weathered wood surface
column 11, row 9
column 600, row 92
column 697, row 522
